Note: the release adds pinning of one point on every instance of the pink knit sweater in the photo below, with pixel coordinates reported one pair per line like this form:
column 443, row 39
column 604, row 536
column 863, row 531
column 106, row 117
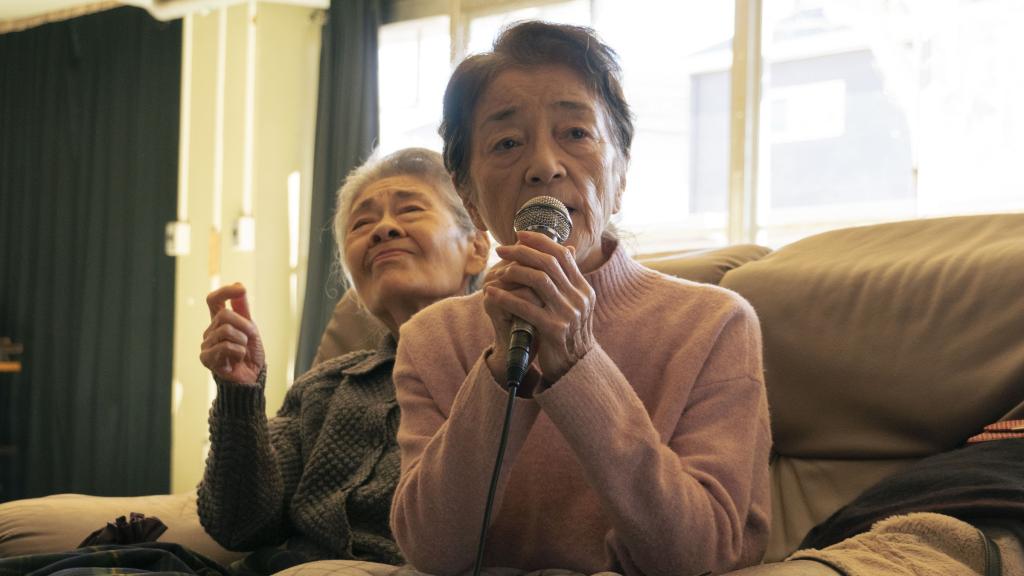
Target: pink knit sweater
column 650, row 456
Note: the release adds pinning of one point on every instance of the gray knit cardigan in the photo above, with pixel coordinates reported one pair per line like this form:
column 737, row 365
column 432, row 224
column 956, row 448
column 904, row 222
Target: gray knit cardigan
column 318, row 477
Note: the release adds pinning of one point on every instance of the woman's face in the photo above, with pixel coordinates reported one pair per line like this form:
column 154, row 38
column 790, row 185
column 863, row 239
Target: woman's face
column 541, row 132
column 403, row 246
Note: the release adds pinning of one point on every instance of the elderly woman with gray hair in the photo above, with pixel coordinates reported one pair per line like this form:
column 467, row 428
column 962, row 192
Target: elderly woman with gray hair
column 316, row 481
column 640, row 442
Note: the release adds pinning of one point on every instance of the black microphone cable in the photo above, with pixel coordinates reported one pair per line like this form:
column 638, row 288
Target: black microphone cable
column 513, row 388
column 548, row 216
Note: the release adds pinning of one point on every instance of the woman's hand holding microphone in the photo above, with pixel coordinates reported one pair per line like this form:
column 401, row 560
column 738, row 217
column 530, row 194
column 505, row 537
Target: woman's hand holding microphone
column 539, row 281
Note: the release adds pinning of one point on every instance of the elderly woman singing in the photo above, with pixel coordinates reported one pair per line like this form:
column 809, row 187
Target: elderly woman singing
column 316, row 481
column 640, row 441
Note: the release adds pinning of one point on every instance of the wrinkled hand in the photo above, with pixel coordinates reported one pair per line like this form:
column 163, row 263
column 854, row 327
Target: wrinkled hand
column 232, row 348
column 538, row 280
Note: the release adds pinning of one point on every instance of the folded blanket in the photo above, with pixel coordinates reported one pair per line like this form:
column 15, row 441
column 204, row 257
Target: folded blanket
column 914, row 544
column 980, row 481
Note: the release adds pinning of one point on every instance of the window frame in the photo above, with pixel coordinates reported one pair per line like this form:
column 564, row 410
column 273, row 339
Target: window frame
column 745, row 102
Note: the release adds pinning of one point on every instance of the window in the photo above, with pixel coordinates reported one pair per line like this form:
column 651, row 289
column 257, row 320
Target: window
column 484, row 25
column 878, row 111
column 870, row 110
column 413, row 71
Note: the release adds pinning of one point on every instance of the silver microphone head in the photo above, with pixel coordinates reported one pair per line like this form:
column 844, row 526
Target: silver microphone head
column 546, row 215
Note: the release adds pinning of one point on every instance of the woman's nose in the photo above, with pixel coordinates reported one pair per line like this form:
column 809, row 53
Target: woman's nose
column 545, row 164
column 386, row 229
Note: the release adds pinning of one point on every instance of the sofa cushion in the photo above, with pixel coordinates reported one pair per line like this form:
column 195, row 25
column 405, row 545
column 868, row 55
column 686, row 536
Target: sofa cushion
column 891, row 341
column 707, row 266
column 342, row 568
column 883, row 344
column 805, row 491
column 60, row 522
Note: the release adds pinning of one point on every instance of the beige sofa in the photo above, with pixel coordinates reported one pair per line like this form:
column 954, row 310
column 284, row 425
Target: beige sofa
column 883, row 344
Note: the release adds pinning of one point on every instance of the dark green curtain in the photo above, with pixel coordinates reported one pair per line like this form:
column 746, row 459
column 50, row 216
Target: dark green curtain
column 88, row 179
column 346, row 130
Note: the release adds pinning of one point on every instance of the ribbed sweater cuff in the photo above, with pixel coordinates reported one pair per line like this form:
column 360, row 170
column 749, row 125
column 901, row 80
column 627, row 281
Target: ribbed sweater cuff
column 591, row 397
column 240, row 400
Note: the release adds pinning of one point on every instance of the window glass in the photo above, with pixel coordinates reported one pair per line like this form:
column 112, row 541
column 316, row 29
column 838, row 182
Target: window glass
column 485, row 26
column 676, row 59
column 413, row 72
column 883, row 110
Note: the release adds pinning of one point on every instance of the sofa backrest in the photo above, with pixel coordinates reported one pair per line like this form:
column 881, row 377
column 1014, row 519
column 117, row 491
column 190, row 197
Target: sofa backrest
column 707, row 266
column 352, row 328
column 883, row 344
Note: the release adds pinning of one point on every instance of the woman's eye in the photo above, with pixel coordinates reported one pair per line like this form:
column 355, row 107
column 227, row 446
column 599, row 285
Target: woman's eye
column 506, row 144
column 359, row 224
column 577, row 133
column 410, row 208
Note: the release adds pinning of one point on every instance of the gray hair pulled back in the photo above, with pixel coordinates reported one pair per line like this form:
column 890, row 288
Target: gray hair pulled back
column 420, row 163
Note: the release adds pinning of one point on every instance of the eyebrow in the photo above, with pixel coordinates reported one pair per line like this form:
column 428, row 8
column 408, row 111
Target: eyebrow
column 503, row 114
column 574, row 106
column 506, row 113
column 367, row 203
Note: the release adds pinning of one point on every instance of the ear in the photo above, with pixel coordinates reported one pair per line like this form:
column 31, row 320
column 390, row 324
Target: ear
column 479, row 251
column 621, row 177
column 466, row 194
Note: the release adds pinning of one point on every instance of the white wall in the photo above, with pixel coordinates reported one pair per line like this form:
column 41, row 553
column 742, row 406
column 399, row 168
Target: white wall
column 237, row 155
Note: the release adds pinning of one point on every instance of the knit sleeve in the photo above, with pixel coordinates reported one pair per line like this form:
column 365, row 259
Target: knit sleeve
column 252, row 466
column 448, row 455
column 694, row 502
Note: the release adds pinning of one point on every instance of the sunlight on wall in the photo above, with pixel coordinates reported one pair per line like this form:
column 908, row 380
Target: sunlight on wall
column 250, row 72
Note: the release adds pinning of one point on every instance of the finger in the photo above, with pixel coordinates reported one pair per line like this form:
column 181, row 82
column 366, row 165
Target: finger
column 232, row 318
column 231, row 352
column 540, row 285
column 496, row 271
column 513, row 304
column 551, row 264
column 228, row 333
column 565, row 254
column 240, row 304
column 573, row 272
column 222, row 356
column 216, row 300
column 506, row 284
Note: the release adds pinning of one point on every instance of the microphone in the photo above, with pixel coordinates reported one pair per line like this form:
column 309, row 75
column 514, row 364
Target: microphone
column 549, row 217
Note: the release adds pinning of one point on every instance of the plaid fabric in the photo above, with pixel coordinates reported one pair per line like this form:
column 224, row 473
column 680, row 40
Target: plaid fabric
column 999, row 431
column 148, row 558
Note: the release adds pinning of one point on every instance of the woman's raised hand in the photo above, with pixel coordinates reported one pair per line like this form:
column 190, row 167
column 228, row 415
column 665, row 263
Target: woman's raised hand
column 559, row 303
column 232, row 348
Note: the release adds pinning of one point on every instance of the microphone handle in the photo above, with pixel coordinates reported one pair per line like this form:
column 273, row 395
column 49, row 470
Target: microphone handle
column 519, row 351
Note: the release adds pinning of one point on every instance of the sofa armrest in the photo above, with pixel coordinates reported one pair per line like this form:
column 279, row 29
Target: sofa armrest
column 60, row 522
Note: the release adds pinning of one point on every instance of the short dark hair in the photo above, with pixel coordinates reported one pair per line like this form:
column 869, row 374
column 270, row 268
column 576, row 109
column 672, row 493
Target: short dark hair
column 527, row 45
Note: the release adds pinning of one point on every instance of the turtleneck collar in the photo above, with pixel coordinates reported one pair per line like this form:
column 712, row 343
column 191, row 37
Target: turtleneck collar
column 619, row 282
